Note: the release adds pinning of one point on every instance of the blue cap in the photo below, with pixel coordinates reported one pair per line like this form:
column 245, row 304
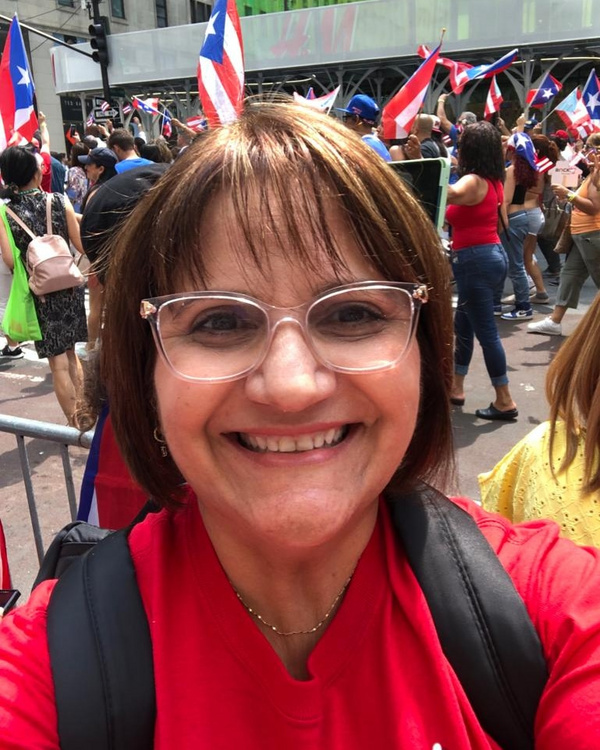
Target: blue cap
column 364, row 107
column 530, row 124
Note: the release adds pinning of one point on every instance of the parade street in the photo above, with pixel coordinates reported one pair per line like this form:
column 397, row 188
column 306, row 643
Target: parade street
column 26, row 391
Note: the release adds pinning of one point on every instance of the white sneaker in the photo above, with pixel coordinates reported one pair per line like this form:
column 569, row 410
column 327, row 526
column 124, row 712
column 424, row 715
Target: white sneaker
column 547, row 327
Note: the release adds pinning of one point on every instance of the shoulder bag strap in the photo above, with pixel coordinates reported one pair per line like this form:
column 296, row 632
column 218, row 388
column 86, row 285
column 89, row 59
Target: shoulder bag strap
column 481, row 620
column 101, row 653
column 48, row 213
column 22, row 224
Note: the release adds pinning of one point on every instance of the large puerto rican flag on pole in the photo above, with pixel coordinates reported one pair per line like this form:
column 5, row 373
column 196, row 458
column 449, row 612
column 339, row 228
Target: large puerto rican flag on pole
column 221, row 65
column 400, row 112
column 19, row 121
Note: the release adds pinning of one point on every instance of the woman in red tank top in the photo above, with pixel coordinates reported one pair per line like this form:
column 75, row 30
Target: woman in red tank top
column 479, row 263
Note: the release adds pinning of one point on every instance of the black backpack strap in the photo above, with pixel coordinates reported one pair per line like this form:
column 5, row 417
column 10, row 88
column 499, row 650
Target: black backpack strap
column 101, row 652
column 481, row 620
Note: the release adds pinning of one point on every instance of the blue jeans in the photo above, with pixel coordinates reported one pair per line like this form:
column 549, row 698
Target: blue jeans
column 512, row 241
column 480, row 272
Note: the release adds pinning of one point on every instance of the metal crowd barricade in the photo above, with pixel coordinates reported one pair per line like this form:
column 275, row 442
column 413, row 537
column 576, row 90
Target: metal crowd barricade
column 64, row 436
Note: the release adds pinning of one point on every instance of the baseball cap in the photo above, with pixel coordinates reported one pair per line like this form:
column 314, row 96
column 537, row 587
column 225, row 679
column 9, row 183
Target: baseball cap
column 562, row 134
column 362, row 106
column 101, row 156
column 530, row 124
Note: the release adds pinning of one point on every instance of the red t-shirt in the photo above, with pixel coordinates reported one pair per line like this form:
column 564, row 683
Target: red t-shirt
column 478, row 224
column 46, row 172
column 378, row 675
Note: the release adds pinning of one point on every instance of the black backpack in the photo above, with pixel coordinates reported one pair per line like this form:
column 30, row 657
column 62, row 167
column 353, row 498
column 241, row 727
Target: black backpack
column 101, row 653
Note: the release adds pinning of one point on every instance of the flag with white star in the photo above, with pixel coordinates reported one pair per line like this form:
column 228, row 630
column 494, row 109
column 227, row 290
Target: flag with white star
column 548, row 89
column 591, row 97
column 16, row 90
column 221, row 65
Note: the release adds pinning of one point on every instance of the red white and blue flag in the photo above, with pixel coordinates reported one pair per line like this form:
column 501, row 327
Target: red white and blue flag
column 323, row 103
column 221, row 65
column 591, row 97
column 484, row 71
column 90, row 120
column 127, row 108
column 149, row 106
column 167, row 128
column 105, row 106
column 573, row 113
column 197, row 123
column 548, row 88
column 493, row 101
column 17, row 115
column 456, row 68
column 402, row 109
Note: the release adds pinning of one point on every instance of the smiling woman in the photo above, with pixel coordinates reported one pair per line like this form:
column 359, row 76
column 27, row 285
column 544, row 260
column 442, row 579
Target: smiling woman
column 277, row 351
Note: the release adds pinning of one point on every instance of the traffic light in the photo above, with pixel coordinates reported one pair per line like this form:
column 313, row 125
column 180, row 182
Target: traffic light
column 98, row 43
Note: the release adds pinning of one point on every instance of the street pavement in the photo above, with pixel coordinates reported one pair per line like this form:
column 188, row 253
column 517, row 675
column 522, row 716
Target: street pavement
column 26, row 391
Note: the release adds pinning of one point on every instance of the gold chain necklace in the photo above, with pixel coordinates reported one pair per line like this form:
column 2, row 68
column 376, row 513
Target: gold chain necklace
column 318, row 626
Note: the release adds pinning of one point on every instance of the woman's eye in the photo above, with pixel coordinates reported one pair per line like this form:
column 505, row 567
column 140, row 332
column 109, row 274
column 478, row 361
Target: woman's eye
column 356, row 314
column 217, row 322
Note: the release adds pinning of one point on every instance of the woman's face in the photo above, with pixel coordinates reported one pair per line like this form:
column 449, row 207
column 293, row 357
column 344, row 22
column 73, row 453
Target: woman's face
column 93, row 172
column 296, row 499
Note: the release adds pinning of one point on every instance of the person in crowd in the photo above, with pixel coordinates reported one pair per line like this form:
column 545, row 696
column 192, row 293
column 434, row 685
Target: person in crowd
column 583, row 260
column 563, row 143
column 420, row 143
column 61, row 314
column 447, row 126
column 122, row 143
column 546, row 240
column 77, row 181
column 479, row 263
column 138, row 128
column 361, row 116
column 554, row 471
column 159, row 153
column 98, row 133
column 290, row 367
column 59, row 173
column 522, row 196
column 100, row 165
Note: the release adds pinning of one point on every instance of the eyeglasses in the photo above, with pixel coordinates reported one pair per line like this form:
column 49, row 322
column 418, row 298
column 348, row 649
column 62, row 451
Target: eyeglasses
column 218, row 336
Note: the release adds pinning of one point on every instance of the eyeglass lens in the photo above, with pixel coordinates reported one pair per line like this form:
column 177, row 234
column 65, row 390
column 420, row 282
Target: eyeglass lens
column 220, row 337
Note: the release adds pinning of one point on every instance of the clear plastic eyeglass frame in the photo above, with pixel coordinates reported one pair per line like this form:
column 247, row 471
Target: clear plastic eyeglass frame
column 150, row 309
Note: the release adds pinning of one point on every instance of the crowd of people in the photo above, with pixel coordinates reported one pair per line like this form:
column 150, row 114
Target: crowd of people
column 280, row 382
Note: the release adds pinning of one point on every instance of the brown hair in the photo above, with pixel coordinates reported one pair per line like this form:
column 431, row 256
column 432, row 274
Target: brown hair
column 122, row 139
column 573, row 390
column 259, row 162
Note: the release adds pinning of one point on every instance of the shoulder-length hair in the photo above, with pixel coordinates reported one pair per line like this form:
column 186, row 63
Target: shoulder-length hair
column 480, row 151
column 573, row 391
column 287, row 164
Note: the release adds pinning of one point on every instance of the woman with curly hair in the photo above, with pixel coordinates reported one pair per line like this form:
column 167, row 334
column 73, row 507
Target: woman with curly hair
column 479, row 262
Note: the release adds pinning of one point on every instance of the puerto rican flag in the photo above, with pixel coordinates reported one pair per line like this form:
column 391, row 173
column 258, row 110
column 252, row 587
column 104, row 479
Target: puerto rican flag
column 323, row 103
column 400, row 112
column 167, row 128
column 573, row 113
column 485, row 71
column 456, row 68
column 548, row 88
column 149, row 106
column 543, row 164
column 221, row 65
column 105, row 106
column 90, row 120
column 127, row 108
column 19, row 121
column 494, row 100
column 591, row 97
column 197, row 123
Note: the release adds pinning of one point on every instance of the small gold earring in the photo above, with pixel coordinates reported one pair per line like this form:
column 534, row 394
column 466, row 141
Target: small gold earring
column 164, row 452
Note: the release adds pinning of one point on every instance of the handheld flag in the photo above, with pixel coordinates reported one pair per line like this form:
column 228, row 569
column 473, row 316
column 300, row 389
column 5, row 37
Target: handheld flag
column 311, row 93
column 544, row 164
column 221, row 65
column 127, row 108
column 105, row 106
column 493, row 101
column 90, row 120
column 149, row 106
column 548, row 88
column 323, row 103
column 456, row 68
column 400, row 112
column 485, row 71
column 197, row 123
column 573, row 112
column 16, row 90
column 167, row 128
column 591, row 97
